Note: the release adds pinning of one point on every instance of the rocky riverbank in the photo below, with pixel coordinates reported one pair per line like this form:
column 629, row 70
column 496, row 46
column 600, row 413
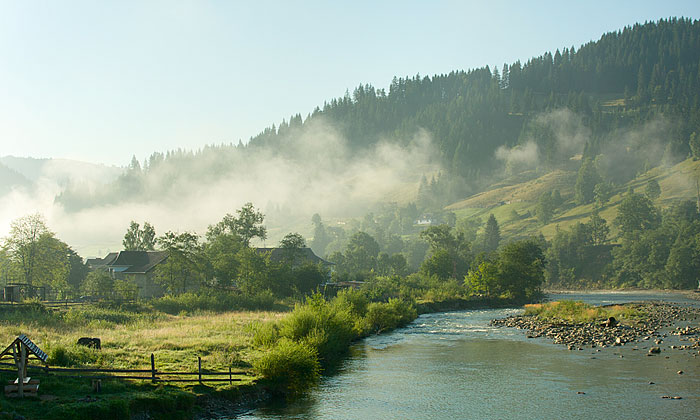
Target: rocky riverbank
column 658, row 322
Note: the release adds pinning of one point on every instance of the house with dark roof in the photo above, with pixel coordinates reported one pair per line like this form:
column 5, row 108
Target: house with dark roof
column 300, row 256
column 297, row 256
column 135, row 266
column 95, row 263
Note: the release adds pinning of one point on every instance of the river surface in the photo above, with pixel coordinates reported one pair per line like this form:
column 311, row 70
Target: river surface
column 454, row 365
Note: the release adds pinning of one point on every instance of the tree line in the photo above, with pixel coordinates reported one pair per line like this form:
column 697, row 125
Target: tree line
column 654, row 249
column 224, row 260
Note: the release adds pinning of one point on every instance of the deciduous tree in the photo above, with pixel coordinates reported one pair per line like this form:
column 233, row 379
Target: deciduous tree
column 137, row 239
column 182, row 269
column 636, row 212
column 247, row 225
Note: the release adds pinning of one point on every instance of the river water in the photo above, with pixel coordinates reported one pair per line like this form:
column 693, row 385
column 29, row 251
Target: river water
column 454, row 365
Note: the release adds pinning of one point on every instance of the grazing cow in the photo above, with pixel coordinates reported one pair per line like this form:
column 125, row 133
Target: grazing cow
column 90, row 342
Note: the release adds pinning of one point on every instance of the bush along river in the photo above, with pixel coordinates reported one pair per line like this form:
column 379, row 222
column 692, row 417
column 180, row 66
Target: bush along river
column 459, row 365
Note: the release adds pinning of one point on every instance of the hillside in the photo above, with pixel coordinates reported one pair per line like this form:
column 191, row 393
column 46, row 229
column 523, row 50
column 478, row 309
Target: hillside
column 474, row 125
column 9, row 179
column 469, row 142
column 677, row 183
column 62, row 171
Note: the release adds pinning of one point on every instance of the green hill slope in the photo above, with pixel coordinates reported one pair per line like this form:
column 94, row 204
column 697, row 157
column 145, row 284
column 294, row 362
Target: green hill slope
column 514, row 206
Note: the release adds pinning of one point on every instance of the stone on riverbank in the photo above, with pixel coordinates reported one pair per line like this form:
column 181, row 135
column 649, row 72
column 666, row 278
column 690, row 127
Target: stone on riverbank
column 612, row 332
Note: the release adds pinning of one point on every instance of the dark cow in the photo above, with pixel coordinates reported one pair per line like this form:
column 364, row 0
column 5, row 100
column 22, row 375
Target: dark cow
column 94, row 343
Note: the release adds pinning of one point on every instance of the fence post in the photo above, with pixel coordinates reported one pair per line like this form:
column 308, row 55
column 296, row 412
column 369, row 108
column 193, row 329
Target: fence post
column 153, row 368
column 199, row 361
column 230, row 381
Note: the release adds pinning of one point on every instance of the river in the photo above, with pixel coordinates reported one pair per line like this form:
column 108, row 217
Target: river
column 454, row 365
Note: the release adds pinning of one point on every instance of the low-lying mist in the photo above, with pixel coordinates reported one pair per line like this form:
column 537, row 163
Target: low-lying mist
column 555, row 137
column 314, row 171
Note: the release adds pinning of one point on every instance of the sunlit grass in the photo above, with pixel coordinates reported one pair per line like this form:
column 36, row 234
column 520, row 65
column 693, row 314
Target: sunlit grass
column 223, row 340
column 677, row 182
column 579, row 312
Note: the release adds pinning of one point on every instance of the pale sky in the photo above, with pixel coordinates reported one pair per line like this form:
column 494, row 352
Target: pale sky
column 101, row 81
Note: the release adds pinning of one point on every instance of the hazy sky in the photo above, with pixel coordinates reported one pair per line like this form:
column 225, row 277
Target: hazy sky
column 103, row 80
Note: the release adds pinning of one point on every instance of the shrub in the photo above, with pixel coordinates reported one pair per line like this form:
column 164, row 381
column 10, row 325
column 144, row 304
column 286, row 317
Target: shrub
column 290, row 367
column 81, row 316
column 68, row 356
column 329, row 328
column 354, row 300
column 445, row 291
column 213, row 301
column 265, row 334
column 264, row 300
column 386, row 316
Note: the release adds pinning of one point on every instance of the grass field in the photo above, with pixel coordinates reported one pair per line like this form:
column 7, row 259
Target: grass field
column 129, row 337
column 514, row 205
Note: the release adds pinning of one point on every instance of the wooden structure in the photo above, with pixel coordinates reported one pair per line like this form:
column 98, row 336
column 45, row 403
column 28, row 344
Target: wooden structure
column 152, row 374
column 21, row 350
column 17, row 292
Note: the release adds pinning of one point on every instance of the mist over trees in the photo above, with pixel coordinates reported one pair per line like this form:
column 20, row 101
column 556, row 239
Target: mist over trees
column 389, row 162
column 640, row 75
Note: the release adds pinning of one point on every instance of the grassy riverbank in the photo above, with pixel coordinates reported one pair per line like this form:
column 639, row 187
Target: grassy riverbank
column 579, row 312
column 280, row 352
column 129, row 335
column 258, row 343
column 579, row 325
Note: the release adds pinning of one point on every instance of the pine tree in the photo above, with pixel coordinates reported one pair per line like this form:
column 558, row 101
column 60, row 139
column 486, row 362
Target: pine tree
column 492, row 234
column 653, row 189
column 545, row 208
column 586, row 181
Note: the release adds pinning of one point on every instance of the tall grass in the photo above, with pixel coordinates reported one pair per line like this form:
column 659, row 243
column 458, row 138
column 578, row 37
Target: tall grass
column 382, row 317
column 213, row 302
column 291, row 366
column 129, row 337
column 579, row 312
column 325, row 327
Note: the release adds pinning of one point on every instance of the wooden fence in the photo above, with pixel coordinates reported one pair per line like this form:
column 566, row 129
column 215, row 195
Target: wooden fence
column 151, row 374
column 68, row 303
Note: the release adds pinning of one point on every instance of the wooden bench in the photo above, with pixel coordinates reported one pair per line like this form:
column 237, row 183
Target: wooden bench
column 29, row 386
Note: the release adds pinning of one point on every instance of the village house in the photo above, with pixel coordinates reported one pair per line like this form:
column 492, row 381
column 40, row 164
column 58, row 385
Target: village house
column 136, row 266
column 139, row 266
column 304, row 255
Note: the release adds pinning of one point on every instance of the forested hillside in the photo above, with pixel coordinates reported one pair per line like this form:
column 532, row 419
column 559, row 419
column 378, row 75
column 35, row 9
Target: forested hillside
column 622, row 80
column 10, row 178
column 563, row 146
column 590, row 155
column 647, row 74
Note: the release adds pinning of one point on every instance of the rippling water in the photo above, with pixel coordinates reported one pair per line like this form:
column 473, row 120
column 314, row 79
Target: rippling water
column 455, row 366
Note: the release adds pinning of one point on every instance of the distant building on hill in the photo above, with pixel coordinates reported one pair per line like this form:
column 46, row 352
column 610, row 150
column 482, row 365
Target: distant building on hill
column 426, row 220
